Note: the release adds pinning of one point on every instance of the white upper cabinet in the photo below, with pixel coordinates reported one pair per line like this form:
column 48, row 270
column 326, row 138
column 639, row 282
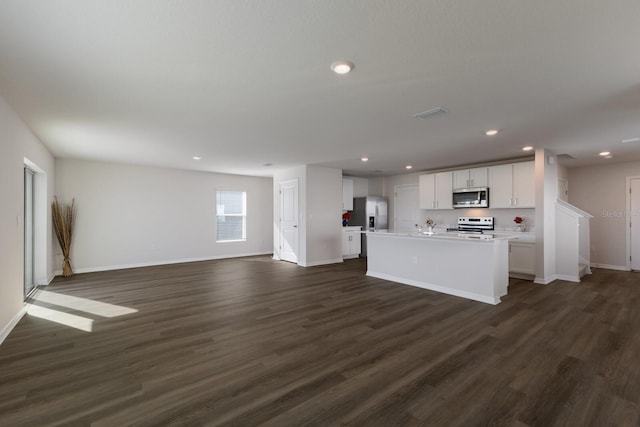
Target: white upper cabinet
column 469, row 178
column 512, row 186
column 500, row 186
column 347, row 194
column 436, row 190
column 524, row 185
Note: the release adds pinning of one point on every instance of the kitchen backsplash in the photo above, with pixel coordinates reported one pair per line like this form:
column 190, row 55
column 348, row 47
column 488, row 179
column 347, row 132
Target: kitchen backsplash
column 503, row 217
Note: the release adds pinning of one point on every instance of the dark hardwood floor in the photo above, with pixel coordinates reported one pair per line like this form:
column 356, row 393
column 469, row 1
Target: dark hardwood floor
column 252, row 341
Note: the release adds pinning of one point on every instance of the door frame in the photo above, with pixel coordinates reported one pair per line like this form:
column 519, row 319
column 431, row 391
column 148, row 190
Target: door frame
column 628, row 215
column 41, row 224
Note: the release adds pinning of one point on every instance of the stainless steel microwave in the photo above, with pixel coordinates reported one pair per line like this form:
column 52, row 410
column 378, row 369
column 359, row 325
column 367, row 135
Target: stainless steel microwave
column 471, row 198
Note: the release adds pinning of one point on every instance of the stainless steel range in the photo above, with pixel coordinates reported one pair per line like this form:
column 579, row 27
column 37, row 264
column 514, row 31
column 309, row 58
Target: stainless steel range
column 475, row 224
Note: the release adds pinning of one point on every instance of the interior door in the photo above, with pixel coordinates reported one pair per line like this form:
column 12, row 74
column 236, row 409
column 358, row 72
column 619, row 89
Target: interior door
column 407, row 208
column 634, row 219
column 289, row 220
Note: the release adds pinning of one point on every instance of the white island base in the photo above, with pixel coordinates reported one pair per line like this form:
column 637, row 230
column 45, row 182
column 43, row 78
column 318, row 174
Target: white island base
column 469, row 268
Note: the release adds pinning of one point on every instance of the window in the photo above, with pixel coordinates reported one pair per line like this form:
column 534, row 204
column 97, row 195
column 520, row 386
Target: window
column 231, row 214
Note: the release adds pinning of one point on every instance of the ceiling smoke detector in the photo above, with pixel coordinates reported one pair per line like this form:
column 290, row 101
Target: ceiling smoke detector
column 430, row 113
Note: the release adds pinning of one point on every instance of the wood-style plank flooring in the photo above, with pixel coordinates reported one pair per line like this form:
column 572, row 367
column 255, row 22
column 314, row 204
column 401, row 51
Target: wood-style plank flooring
column 252, row 341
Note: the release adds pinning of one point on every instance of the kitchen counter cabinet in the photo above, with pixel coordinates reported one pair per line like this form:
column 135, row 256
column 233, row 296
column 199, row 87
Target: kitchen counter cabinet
column 470, row 268
column 351, row 242
column 522, row 259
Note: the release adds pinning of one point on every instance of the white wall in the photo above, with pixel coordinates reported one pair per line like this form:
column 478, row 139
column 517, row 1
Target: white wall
column 546, row 176
column 449, row 217
column 137, row 215
column 17, row 143
column 319, row 214
column 324, row 215
column 601, row 191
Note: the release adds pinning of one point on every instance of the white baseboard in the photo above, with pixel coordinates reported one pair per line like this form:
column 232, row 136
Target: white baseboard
column 156, row 263
column 610, row 266
column 12, row 324
column 568, row 278
column 441, row 289
column 522, row 276
column 324, row 262
column 545, row 280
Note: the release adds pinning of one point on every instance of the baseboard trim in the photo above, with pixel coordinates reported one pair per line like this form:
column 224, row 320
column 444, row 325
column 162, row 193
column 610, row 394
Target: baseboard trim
column 156, row 263
column 12, row 324
column 521, row 276
column 441, row 289
column 568, row 278
column 610, row 266
column 324, row 262
column 545, row 280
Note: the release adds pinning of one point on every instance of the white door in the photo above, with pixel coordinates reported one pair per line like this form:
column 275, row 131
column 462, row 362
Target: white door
column 407, row 208
column 289, row 220
column 634, row 218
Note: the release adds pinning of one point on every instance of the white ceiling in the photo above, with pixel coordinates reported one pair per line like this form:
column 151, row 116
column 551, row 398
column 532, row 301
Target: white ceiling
column 243, row 83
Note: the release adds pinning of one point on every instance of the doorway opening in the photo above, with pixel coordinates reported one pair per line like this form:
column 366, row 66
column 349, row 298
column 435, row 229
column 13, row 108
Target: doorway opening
column 29, row 282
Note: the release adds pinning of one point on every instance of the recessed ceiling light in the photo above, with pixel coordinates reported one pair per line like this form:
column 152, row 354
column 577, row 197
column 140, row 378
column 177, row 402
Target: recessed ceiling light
column 491, row 132
column 408, row 167
column 342, row 67
column 527, row 148
column 197, row 157
column 605, row 153
column 626, row 141
column 365, row 159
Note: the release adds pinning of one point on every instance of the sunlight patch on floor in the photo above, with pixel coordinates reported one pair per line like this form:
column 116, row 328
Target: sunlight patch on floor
column 71, row 320
column 98, row 308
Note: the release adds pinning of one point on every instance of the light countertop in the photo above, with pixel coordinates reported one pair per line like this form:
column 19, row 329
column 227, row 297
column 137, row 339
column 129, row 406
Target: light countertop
column 447, row 236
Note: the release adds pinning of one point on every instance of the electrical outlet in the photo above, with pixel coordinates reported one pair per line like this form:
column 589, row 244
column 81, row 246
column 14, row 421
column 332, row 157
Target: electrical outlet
column 414, row 259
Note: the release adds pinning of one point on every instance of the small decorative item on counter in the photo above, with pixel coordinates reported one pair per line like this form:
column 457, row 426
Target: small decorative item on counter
column 519, row 220
column 345, row 219
column 430, row 225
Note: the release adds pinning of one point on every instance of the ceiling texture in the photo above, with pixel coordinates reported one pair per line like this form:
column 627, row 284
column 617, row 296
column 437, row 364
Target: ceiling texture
column 244, row 83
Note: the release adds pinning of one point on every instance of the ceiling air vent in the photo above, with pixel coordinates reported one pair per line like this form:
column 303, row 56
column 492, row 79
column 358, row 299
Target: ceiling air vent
column 430, row 113
column 565, row 157
column 630, row 140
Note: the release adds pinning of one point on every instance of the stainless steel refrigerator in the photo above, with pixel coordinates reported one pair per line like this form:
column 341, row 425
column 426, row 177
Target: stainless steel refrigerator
column 371, row 214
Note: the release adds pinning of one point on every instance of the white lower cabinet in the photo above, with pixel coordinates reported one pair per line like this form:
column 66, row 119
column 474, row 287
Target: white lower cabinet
column 351, row 242
column 522, row 258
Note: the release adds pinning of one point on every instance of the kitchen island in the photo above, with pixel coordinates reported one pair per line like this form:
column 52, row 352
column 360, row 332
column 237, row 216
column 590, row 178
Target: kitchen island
column 473, row 267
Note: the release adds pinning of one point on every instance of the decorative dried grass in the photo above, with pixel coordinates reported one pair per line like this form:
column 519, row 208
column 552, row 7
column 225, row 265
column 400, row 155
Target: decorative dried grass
column 64, row 216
